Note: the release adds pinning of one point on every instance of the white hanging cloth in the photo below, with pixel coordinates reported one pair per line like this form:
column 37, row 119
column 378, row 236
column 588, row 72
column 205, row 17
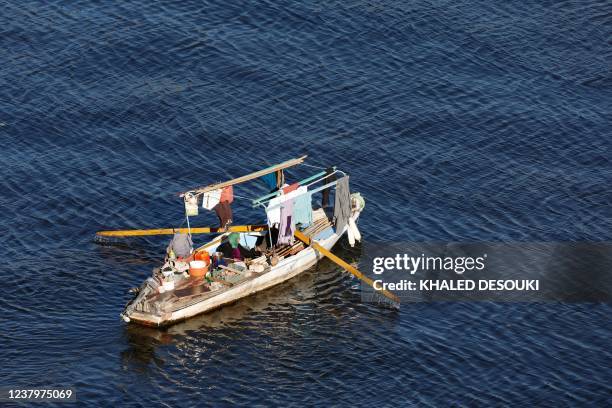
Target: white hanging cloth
column 211, row 198
column 273, row 209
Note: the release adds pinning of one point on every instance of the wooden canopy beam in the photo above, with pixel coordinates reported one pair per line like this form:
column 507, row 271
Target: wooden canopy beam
column 257, row 174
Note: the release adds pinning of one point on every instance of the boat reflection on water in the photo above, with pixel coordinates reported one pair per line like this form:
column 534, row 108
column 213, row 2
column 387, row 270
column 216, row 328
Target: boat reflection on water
column 323, row 288
column 143, row 341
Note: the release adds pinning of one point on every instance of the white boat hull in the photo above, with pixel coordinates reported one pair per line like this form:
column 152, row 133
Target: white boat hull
column 286, row 269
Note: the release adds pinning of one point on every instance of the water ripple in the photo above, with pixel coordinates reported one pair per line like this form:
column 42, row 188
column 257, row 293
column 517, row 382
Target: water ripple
column 456, row 121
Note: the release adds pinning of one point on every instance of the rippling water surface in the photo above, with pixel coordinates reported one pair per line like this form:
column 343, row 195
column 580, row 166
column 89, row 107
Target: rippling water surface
column 458, row 121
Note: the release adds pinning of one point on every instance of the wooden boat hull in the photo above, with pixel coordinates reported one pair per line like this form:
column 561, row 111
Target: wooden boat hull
column 286, row 269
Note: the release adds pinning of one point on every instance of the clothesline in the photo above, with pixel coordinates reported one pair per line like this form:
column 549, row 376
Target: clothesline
column 295, row 207
column 311, row 192
column 306, row 182
column 219, row 200
column 314, row 167
column 244, row 198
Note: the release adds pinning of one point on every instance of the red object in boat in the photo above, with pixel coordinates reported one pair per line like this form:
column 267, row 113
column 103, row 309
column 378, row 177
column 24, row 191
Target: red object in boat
column 202, row 256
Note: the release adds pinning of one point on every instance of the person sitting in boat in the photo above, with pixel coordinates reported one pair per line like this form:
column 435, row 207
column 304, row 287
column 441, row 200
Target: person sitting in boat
column 180, row 247
column 234, row 250
column 263, row 242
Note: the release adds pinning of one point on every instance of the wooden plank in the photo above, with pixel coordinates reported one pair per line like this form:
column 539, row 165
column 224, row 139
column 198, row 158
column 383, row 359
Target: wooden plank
column 221, row 281
column 228, row 268
column 318, row 226
column 257, row 174
column 171, row 231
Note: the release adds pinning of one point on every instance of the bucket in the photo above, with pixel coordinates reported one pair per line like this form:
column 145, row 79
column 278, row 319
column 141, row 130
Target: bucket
column 197, row 269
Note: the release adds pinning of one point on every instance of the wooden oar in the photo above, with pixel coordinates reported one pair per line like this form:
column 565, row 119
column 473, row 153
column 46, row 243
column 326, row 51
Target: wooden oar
column 349, row 268
column 171, row 231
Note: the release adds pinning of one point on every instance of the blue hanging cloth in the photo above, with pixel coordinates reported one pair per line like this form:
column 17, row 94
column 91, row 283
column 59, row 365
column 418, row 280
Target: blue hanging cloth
column 302, row 207
column 270, row 180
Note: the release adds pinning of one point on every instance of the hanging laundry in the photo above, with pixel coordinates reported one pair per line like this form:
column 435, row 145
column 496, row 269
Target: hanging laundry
column 270, row 181
column 211, row 198
column 191, row 205
column 273, row 210
column 302, row 207
column 227, row 194
column 287, row 224
column 224, row 212
column 290, row 188
column 353, row 228
column 342, row 205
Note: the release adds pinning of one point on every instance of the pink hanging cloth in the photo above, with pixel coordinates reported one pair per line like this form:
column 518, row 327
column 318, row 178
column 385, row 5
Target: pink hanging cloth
column 227, row 194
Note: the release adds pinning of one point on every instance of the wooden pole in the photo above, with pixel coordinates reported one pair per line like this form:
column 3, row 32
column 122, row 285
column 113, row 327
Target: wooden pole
column 257, row 174
column 172, row 231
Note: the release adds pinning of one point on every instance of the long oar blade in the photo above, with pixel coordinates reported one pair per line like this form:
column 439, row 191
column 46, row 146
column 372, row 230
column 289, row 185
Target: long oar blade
column 171, row 231
column 348, row 267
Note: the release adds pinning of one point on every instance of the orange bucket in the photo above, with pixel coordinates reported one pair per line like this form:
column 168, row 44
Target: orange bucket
column 197, row 269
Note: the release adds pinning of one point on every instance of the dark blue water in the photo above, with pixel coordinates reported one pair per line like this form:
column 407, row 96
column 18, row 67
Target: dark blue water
column 458, row 121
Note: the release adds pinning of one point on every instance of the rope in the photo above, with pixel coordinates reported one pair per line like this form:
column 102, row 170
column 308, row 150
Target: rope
column 314, row 167
column 244, row 198
column 188, row 226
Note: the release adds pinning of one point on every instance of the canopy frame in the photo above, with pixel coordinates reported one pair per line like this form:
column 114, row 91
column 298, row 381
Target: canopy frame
column 307, row 181
column 248, row 177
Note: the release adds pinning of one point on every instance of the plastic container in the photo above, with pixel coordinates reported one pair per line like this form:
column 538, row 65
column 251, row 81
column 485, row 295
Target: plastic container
column 218, row 259
column 191, row 205
column 197, row 269
column 168, row 284
column 202, row 256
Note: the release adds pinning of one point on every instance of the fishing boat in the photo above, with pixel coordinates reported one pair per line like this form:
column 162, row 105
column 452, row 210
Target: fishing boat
column 240, row 261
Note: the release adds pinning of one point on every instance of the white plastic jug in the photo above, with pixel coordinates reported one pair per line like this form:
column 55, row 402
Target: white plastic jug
column 168, row 281
column 191, row 205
